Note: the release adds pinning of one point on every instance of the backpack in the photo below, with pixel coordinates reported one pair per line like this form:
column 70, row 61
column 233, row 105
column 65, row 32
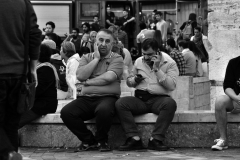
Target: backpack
column 187, row 31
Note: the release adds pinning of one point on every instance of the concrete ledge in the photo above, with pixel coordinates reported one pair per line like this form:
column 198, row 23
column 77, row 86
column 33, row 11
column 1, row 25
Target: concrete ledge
column 180, row 117
column 188, row 129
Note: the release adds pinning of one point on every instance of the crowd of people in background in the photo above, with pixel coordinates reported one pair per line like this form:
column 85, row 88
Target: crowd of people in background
column 89, row 67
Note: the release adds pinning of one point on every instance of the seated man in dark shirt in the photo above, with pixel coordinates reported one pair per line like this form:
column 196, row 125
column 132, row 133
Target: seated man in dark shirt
column 110, row 18
column 227, row 103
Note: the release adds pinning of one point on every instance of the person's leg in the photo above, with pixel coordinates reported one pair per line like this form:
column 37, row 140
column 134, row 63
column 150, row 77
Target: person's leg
column 165, row 108
column 104, row 112
column 12, row 115
column 75, row 113
column 126, row 107
column 223, row 105
column 9, row 117
column 27, row 118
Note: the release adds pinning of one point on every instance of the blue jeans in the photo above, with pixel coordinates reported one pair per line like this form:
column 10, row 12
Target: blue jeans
column 9, row 117
column 163, row 106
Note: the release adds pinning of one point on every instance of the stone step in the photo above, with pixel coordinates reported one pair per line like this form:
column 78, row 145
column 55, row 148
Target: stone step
column 188, row 129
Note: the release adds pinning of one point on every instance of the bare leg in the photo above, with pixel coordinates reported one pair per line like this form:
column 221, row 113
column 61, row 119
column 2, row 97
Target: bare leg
column 222, row 106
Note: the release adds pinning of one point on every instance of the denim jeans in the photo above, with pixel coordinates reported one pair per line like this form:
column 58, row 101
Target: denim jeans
column 85, row 108
column 9, row 117
column 163, row 106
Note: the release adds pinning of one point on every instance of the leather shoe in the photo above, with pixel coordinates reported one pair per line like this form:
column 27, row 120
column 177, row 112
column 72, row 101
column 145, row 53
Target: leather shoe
column 157, row 145
column 131, row 144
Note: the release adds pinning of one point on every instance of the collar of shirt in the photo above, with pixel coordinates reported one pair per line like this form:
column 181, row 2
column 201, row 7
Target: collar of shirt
column 185, row 50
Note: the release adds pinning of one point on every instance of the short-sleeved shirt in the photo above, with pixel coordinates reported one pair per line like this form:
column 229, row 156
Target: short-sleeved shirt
column 145, row 34
column 110, row 17
column 112, row 62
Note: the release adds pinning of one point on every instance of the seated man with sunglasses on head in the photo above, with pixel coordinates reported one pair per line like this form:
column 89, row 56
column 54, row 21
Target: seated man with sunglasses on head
column 154, row 76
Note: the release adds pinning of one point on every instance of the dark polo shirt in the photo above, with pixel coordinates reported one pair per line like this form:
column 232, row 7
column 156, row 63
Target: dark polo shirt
column 112, row 62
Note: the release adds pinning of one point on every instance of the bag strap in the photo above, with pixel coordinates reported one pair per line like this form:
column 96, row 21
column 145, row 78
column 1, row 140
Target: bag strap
column 26, row 73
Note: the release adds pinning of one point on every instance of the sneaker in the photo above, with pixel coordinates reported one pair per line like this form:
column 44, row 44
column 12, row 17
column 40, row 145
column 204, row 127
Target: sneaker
column 131, row 144
column 14, row 156
column 103, row 147
column 221, row 144
column 87, row 147
column 157, row 145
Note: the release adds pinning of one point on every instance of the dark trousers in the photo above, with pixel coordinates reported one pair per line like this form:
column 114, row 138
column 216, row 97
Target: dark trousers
column 9, row 117
column 85, row 108
column 163, row 106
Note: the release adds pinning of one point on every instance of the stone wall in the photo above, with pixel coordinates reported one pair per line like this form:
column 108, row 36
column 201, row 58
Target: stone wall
column 224, row 34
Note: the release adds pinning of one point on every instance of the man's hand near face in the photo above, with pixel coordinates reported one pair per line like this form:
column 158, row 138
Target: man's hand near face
column 156, row 59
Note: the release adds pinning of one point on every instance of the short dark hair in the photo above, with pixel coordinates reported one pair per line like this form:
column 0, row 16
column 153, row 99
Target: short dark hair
column 86, row 24
column 198, row 28
column 155, row 10
column 51, row 24
column 183, row 44
column 142, row 25
column 158, row 13
column 52, row 36
column 96, row 16
column 107, row 31
column 76, row 29
column 192, row 17
column 45, row 53
column 150, row 43
column 171, row 42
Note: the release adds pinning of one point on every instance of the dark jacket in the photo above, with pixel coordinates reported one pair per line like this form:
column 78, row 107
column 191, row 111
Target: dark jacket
column 12, row 29
column 46, row 92
column 232, row 76
column 61, row 70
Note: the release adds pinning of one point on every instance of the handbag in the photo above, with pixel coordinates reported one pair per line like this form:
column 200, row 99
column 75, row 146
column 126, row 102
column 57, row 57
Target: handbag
column 26, row 94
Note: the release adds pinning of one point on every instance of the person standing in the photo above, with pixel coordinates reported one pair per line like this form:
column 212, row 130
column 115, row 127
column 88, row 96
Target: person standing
column 154, row 76
column 202, row 43
column 128, row 27
column 13, row 28
column 100, row 73
column 161, row 25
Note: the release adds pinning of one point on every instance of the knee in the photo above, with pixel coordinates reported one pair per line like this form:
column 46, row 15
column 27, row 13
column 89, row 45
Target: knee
column 171, row 105
column 121, row 104
column 220, row 103
column 64, row 112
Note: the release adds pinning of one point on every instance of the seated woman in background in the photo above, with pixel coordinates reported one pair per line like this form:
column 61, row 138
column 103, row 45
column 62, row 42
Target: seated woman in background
column 198, row 54
column 71, row 59
column 46, row 91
